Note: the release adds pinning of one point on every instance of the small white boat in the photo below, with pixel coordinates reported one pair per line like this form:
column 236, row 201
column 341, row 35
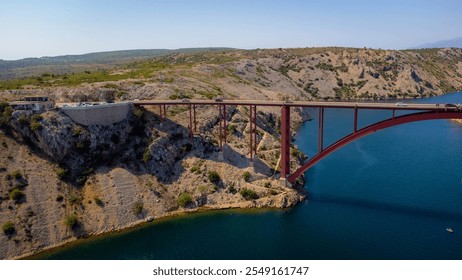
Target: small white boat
column 450, row 230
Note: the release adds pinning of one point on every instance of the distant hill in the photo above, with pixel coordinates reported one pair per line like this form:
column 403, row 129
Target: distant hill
column 64, row 64
column 266, row 74
column 453, row 43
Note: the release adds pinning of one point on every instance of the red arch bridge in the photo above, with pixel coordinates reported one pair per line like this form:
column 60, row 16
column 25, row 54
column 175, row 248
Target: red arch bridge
column 418, row 112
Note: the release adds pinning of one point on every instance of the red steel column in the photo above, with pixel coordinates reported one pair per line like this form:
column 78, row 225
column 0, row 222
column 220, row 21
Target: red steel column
column 285, row 141
column 321, row 130
column 195, row 122
column 356, row 119
column 224, row 121
column 251, row 130
column 255, row 128
column 190, row 124
column 219, row 120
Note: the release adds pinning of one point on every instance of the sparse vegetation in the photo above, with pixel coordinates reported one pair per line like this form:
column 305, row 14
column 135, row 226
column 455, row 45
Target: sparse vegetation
column 203, row 189
column 246, row 175
column 75, row 199
column 232, row 189
column 5, row 114
column 16, row 195
column 61, row 172
column 23, row 119
column 248, row 194
column 77, row 131
column 71, row 221
column 8, row 228
column 98, row 201
column 184, row 199
column 214, row 177
column 17, row 174
column 147, row 155
column 196, row 168
column 138, row 113
column 138, row 208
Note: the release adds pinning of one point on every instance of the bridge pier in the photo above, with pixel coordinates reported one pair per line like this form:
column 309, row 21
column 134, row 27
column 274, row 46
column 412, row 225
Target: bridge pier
column 285, row 142
column 253, row 131
column 283, row 182
column 321, row 130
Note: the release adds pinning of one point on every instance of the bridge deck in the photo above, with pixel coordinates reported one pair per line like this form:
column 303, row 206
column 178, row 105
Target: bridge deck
column 352, row 105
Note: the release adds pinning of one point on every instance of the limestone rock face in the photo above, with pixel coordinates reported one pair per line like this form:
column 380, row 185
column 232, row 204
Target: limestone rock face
column 74, row 146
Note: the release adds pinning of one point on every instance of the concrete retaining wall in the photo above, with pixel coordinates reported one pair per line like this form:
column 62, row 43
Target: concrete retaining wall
column 104, row 114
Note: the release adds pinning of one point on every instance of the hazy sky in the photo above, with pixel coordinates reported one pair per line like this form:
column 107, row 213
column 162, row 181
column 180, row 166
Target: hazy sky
column 31, row 28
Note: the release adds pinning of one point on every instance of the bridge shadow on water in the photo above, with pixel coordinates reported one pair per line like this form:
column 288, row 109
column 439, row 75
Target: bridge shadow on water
column 386, row 207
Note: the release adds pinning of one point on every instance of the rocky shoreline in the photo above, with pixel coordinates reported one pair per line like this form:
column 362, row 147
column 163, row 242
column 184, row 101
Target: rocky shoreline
column 147, row 220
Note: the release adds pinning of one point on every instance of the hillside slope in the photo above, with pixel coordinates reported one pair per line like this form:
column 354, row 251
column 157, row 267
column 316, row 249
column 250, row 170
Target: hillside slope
column 299, row 74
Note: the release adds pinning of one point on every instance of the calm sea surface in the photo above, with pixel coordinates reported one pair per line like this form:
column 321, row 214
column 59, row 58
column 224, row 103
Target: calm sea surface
column 390, row 195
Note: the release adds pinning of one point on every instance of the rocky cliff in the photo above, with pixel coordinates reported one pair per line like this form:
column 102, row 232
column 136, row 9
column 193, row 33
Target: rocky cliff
column 60, row 181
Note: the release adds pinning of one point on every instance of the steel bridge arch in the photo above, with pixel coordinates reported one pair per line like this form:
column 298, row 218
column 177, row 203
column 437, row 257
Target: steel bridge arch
column 394, row 121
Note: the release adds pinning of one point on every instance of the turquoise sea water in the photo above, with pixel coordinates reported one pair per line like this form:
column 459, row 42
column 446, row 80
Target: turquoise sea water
column 390, row 195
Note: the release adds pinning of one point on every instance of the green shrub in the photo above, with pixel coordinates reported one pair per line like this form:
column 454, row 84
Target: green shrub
column 74, row 199
column 16, row 174
column 5, row 114
column 16, row 194
column 267, row 184
column 246, row 176
column 138, row 113
column 184, row 199
column 87, row 171
column 81, row 146
column 34, row 126
column 77, row 131
column 214, row 177
column 248, row 194
column 23, row 119
column 138, row 208
column 21, row 185
column 71, row 221
column 232, row 190
column 8, row 228
column 196, row 168
column 98, row 201
column 274, row 192
column 203, row 189
column 60, row 172
column 36, row 117
column 147, row 155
